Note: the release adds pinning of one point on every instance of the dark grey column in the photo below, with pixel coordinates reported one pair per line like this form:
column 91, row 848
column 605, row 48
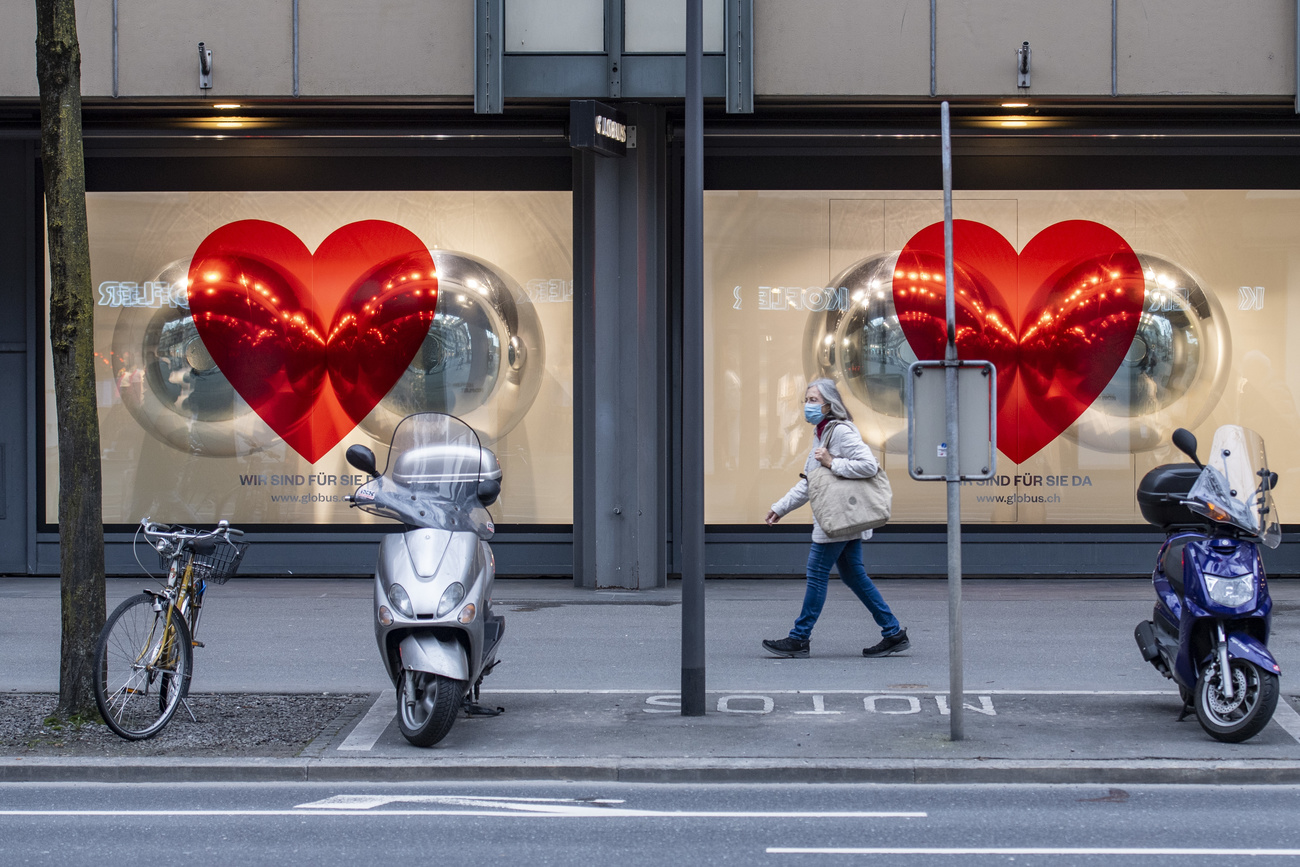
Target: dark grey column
column 619, row 511
column 18, row 294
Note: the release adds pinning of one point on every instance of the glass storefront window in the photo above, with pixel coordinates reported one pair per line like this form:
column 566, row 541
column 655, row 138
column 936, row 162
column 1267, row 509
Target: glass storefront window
column 656, row 27
column 554, row 26
column 244, row 340
column 1114, row 316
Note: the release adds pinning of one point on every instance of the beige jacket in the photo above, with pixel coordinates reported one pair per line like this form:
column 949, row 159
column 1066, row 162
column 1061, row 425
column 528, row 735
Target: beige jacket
column 851, row 458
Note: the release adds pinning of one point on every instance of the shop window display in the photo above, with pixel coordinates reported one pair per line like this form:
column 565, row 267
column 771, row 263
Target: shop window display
column 1113, row 316
column 245, row 339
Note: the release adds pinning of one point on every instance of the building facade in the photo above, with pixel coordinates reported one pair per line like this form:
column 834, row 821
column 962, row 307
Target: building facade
column 1127, row 186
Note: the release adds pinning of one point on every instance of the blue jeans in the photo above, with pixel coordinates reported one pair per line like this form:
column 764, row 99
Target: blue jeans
column 847, row 556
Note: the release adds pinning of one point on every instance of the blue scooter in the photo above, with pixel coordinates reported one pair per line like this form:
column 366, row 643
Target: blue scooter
column 1209, row 631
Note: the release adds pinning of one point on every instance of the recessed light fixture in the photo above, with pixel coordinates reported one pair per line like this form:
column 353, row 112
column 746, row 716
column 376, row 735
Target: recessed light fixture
column 227, row 105
column 1004, row 105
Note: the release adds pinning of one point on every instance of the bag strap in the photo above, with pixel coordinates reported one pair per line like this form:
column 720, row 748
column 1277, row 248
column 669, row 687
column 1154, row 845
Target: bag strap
column 826, row 434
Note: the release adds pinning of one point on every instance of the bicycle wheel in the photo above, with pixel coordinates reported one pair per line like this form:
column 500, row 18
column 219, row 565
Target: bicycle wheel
column 143, row 666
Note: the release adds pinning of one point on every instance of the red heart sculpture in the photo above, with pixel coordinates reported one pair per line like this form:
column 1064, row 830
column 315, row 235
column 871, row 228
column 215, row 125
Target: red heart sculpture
column 312, row 342
column 1056, row 320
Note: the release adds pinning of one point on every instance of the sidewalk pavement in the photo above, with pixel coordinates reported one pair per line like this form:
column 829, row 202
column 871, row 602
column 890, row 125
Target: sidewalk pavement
column 1055, row 688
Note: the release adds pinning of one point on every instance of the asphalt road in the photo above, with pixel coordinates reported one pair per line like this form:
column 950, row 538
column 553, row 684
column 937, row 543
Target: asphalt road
column 647, row 824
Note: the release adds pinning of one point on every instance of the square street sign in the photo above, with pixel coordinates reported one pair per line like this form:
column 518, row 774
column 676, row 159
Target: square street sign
column 927, row 427
column 599, row 128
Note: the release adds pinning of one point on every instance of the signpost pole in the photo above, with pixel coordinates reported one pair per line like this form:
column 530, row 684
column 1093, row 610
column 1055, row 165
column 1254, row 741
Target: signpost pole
column 955, row 687
column 693, row 372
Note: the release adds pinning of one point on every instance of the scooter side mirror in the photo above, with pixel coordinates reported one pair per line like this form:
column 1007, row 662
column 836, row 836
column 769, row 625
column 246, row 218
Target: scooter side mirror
column 1185, row 441
column 488, row 491
column 363, row 459
column 1272, row 480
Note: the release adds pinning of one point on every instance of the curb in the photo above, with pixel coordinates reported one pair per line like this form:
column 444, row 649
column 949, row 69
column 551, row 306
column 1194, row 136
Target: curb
column 750, row 771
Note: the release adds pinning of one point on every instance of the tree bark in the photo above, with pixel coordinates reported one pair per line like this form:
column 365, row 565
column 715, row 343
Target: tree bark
column 72, row 336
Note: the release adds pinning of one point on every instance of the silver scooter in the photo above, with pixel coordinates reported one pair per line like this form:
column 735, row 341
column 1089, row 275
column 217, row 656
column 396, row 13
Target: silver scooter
column 433, row 583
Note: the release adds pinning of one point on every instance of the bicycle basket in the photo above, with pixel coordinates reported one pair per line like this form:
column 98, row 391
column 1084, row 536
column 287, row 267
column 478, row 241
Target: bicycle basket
column 222, row 564
column 219, row 566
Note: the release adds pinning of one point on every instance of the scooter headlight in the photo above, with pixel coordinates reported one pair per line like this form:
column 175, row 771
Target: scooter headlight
column 450, row 598
column 1230, row 591
column 397, row 596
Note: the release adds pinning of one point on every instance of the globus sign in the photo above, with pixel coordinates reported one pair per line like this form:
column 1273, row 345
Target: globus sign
column 597, row 127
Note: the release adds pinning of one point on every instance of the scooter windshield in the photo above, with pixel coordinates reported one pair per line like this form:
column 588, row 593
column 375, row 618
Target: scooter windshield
column 435, row 465
column 1236, row 486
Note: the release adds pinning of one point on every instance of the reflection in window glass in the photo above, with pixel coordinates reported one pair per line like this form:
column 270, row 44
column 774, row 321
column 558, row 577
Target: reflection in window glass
column 807, row 284
column 210, row 411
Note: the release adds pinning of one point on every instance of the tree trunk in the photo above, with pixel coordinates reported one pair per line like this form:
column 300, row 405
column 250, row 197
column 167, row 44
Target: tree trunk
column 72, row 339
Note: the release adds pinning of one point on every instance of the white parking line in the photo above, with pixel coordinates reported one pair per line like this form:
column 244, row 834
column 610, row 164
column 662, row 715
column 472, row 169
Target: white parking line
column 1281, row 853
column 1287, row 718
column 372, row 725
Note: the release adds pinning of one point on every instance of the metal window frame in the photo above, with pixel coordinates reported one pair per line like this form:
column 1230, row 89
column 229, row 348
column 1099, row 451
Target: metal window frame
column 610, row 74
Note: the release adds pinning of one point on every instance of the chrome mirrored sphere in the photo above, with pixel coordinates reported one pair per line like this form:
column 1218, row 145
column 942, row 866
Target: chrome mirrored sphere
column 858, row 342
column 483, row 357
column 1174, row 372
column 169, row 383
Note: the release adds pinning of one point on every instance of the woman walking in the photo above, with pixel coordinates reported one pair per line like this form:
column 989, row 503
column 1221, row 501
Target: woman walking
column 846, row 455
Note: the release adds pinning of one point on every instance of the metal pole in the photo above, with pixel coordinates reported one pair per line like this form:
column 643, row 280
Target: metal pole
column 115, row 59
column 1114, row 47
column 934, row 84
column 295, row 47
column 693, row 373
column 955, row 690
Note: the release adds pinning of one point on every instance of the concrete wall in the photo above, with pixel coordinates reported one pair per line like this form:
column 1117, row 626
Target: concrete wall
column 379, row 47
column 977, row 43
column 841, row 47
column 387, row 47
column 846, row 47
column 811, row 47
column 1206, row 46
column 18, row 48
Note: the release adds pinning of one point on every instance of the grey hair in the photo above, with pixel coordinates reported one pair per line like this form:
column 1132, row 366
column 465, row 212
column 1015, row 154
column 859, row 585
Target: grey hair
column 830, row 393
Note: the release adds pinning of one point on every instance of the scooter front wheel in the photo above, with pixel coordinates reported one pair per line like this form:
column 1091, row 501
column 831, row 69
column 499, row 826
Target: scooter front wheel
column 426, row 706
column 1236, row 719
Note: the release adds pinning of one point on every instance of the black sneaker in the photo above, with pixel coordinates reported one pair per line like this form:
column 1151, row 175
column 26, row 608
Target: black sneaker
column 893, row 644
column 792, row 648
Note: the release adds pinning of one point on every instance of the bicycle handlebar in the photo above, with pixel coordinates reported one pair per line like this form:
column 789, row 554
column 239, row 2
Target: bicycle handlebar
column 178, row 533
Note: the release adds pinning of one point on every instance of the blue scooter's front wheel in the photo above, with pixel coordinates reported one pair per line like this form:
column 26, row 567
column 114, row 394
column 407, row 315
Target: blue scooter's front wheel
column 1244, row 715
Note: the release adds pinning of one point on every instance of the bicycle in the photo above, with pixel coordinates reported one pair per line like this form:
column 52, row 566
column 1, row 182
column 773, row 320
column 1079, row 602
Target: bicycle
column 144, row 656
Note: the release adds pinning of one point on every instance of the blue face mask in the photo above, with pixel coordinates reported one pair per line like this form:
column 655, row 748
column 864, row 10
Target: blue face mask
column 812, row 412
